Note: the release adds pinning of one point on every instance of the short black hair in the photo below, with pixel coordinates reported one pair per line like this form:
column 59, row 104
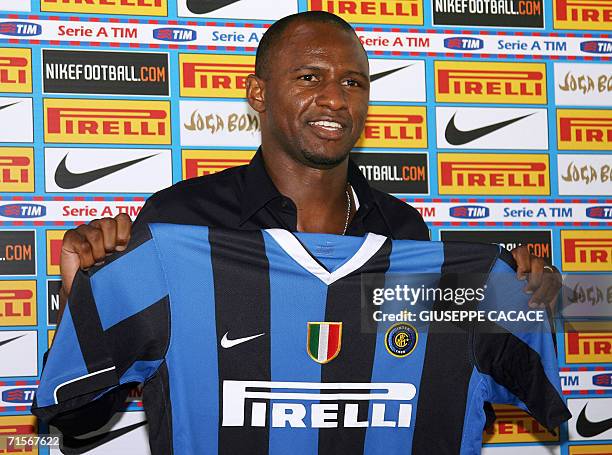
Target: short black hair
column 272, row 37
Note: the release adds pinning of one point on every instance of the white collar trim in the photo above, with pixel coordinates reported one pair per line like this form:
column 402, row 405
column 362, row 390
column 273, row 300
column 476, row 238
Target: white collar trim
column 292, row 246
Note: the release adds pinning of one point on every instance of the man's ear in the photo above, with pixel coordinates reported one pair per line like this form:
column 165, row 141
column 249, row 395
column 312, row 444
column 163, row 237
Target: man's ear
column 255, row 91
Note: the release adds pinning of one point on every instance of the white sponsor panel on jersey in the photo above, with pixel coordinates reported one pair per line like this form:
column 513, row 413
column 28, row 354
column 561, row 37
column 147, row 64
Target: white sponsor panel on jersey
column 586, row 381
column 583, row 84
column 219, row 124
column 16, row 122
column 125, row 433
column 587, row 295
column 491, row 128
column 397, row 80
column 244, row 9
column 591, row 419
column 97, row 170
column 585, row 175
column 15, row 5
column 18, row 353
column 523, row 450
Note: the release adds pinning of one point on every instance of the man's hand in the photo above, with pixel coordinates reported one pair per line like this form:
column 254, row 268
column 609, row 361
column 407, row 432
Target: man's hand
column 88, row 245
column 543, row 281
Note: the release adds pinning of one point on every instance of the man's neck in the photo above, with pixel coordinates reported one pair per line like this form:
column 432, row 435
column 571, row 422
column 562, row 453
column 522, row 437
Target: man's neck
column 319, row 194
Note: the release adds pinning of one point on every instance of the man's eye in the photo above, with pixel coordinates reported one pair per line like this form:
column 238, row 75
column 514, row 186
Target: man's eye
column 352, row 83
column 307, row 77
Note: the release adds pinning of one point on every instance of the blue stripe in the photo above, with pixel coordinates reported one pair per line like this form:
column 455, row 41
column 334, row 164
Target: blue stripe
column 128, row 285
column 296, row 298
column 64, row 362
column 192, row 355
column 474, row 419
column 387, row 368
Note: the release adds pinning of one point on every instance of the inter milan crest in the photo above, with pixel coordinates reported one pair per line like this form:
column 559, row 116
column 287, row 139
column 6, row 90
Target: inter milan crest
column 324, row 340
column 401, row 339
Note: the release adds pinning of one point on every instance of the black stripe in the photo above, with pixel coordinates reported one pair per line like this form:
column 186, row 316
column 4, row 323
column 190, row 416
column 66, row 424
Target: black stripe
column 356, row 358
column 242, row 309
column 146, row 334
column 87, row 324
column 448, row 360
column 158, row 407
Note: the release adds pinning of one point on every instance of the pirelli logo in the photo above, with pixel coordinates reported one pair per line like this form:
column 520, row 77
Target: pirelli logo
column 490, row 82
column 215, row 76
column 493, row 173
column 395, row 126
column 54, row 251
column 515, row 425
column 15, row 70
column 17, row 303
column 583, row 14
column 407, row 12
column 204, row 162
column 94, row 121
column 586, row 251
column 598, row 449
column 584, row 129
column 17, row 427
column 16, row 169
column 131, row 7
column 588, row 342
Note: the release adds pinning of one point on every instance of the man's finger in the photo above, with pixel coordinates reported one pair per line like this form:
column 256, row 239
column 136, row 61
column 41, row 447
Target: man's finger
column 69, row 258
column 95, row 248
column 536, row 273
column 108, row 226
column 523, row 261
column 124, row 230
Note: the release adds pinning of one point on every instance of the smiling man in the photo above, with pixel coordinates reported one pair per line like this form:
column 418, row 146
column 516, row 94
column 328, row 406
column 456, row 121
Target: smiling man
column 311, row 90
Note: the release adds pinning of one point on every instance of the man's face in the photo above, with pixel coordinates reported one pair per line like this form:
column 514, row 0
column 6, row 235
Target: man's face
column 316, row 94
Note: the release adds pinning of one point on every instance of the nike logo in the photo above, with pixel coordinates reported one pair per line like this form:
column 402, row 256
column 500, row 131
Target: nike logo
column 69, row 180
column 375, row 77
column 207, row 6
column 3, row 342
column 9, row 105
column 226, row 343
column 82, row 445
column 456, row 136
column 588, row 429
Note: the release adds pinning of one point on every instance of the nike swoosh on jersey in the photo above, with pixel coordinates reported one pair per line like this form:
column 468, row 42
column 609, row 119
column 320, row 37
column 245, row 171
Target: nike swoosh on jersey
column 227, row 343
column 68, row 180
column 9, row 105
column 375, row 77
column 83, row 445
column 207, row 6
column 3, row 342
column 589, row 429
column 456, row 136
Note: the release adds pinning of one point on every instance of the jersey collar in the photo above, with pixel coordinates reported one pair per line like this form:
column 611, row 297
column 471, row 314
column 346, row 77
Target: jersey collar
column 292, row 246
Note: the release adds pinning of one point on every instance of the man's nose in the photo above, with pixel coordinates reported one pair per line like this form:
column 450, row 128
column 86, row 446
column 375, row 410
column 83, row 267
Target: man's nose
column 332, row 95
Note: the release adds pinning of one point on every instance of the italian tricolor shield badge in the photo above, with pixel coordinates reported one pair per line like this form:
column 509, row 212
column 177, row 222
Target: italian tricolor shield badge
column 324, row 340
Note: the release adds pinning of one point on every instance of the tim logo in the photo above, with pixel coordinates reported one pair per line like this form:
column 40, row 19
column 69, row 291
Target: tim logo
column 23, row 210
column 19, row 396
column 19, row 29
column 603, row 380
column 464, row 44
column 174, row 34
column 596, row 47
column 469, row 211
column 313, row 405
column 599, row 212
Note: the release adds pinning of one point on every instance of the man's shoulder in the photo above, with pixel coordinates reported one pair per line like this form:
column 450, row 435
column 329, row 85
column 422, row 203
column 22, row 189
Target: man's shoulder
column 202, row 187
column 404, row 220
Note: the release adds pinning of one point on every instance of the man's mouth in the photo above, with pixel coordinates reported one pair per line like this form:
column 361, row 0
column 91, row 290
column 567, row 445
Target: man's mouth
column 327, row 125
column 329, row 130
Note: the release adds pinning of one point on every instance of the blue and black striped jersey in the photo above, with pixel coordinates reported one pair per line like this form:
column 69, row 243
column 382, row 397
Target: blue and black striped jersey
column 258, row 342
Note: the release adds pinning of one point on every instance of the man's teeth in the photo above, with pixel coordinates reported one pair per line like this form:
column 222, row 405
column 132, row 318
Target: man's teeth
column 327, row 125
